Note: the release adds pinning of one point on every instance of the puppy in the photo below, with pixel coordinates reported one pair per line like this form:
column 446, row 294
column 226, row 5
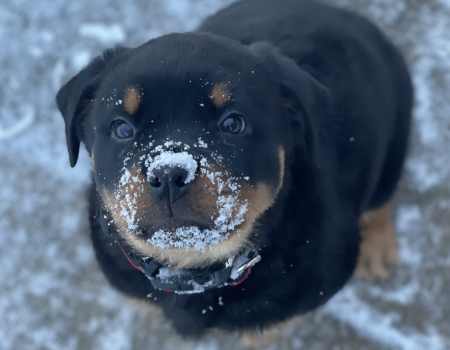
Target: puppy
column 236, row 168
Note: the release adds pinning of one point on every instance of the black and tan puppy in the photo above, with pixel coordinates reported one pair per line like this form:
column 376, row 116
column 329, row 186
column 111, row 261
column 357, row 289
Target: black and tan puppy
column 235, row 169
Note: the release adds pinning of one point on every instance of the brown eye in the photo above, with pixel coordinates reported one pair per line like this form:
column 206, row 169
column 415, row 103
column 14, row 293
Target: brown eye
column 123, row 130
column 233, row 124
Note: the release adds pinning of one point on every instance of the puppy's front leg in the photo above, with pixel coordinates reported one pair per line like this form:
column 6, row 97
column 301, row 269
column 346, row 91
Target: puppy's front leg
column 261, row 340
column 379, row 249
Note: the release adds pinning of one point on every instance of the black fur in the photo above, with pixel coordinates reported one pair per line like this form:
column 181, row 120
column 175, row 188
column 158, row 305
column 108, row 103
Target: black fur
column 344, row 130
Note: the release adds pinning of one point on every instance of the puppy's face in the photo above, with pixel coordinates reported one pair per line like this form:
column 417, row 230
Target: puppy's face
column 187, row 136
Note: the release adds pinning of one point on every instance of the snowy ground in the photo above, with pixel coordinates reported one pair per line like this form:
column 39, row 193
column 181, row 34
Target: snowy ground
column 53, row 296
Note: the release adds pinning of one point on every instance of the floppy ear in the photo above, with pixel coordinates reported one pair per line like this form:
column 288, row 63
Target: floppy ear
column 305, row 98
column 75, row 98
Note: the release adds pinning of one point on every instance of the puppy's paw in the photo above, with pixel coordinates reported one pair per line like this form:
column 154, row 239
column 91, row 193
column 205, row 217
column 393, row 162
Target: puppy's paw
column 378, row 250
column 266, row 338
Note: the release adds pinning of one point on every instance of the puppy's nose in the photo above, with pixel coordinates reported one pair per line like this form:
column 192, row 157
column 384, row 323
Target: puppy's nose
column 169, row 183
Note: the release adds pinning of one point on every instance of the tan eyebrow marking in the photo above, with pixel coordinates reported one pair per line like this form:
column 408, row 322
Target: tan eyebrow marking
column 220, row 94
column 131, row 100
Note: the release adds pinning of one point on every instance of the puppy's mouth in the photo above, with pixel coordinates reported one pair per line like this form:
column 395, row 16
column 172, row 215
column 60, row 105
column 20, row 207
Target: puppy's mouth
column 184, row 234
column 172, row 225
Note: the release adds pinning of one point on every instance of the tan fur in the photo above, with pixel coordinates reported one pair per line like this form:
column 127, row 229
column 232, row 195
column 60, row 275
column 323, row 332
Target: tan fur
column 220, row 95
column 141, row 304
column 269, row 336
column 131, row 100
column 281, row 156
column 379, row 249
column 202, row 202
column 137, row 189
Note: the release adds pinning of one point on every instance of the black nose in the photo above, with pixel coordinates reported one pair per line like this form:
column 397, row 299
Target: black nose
column 169, row 183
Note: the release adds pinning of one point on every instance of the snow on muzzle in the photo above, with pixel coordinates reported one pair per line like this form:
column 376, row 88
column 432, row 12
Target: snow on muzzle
column 226, row 210
column 170, row 159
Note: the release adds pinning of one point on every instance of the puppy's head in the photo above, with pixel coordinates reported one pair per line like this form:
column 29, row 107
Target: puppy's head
column 189, row 136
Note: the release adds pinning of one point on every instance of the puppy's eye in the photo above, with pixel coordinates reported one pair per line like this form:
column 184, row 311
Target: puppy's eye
column 233, row 124
column 123, row 130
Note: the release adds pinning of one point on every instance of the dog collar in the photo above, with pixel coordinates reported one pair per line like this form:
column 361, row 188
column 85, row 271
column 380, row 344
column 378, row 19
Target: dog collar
column 187, row 281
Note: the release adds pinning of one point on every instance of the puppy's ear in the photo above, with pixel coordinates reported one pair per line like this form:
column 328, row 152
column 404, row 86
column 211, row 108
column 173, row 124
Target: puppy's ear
column 306, row 100
column 75, row 98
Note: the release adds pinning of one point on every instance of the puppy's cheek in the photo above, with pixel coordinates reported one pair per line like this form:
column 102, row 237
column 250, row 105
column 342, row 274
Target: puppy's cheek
column 129, row 201
column 258, row 199
column 261, row 197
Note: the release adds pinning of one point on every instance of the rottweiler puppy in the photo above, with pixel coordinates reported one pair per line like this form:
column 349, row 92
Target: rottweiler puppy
column 243, row 171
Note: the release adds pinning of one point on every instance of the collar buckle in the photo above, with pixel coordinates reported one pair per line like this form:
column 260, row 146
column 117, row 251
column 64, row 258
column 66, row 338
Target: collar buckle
column 249, row 264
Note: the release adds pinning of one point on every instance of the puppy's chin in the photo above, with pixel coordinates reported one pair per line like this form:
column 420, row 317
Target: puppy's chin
column 190, row 246
column 185, row 234
column 172, row 225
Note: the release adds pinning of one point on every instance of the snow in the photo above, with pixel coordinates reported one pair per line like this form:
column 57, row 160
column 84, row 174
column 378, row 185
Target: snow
column 171, row 159
column 81, row 59
column 21, row 125
column 105, row 34
column 53, row 295
column 186, row 238
column 380, row 324
column 167, row 275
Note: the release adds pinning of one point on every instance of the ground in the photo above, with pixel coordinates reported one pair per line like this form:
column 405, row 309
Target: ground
column 53, row 295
